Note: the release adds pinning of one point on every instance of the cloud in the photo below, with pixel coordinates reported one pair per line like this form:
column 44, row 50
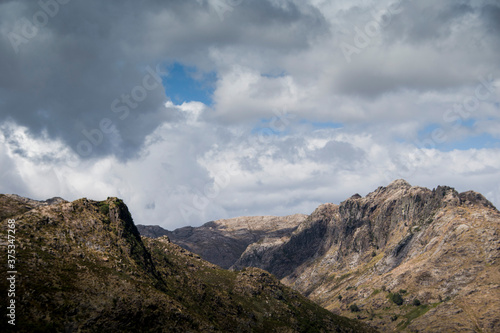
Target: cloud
column 190, row 172
column 65, row 75
column 84, row 110
column 66, row 78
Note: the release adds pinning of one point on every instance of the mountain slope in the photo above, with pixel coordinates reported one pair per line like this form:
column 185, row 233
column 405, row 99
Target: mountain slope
column 222, row 242
column 438, row 248
column 403, row 258
column 83, row 267
column 12, row 204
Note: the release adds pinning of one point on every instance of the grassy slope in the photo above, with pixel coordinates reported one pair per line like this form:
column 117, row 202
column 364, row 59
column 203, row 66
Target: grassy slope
column 84, row 268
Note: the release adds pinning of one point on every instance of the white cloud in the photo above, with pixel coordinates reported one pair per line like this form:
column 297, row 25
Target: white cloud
column 186, row 164
column 167, row 183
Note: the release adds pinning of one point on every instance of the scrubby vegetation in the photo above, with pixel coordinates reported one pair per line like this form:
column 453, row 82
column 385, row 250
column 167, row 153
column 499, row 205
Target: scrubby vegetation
column 396, row 298
column 85, row 268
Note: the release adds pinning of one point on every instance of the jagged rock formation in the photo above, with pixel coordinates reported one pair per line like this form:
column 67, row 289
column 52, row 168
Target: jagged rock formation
column 403, row 258
column 222, row 242
column 83, row 267
column 439, row 248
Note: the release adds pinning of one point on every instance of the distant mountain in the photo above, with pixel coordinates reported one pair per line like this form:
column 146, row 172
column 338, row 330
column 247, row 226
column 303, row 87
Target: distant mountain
column 82, row 266
column 222, row 242
column 403, row 258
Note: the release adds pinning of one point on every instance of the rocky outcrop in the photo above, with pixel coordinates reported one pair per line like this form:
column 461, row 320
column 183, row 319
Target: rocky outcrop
column 284, row 256
column 440, row 248
column 401, row 258
column 222, row 242
column 82, row 266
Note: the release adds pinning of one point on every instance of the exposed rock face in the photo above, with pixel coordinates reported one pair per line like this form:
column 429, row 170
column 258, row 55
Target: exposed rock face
column 222, row 242
column 439, row 248
column 83, row 267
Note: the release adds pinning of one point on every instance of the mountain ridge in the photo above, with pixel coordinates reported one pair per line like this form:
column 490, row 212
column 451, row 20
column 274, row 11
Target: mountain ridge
column 223, row 241
column 439, row 246
column 83, row 267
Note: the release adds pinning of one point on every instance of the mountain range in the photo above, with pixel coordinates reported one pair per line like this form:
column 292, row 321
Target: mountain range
column 402, row 258
column 82, row 266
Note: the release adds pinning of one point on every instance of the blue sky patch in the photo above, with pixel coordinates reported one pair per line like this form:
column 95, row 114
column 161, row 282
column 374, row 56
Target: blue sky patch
column 471, row 141
column 469, row 123
column 481, row 141
column 271, row 126
column 321, row 124
column 274, row 126
column 187, row 84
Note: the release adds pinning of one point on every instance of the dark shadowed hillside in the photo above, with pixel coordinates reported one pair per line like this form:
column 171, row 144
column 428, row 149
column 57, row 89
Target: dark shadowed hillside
column 222, row 242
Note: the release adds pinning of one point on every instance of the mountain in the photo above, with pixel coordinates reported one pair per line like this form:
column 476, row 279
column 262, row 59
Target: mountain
column 82, row 266
column 12, row 204
column 403, row 258
column 222, row 242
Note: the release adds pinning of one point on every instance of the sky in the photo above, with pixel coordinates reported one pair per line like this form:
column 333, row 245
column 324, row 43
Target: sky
column 197, row 110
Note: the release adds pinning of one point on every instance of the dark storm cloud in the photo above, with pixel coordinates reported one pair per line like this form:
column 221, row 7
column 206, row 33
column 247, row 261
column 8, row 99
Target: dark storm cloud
column 65, row 78
column 491, row 15
column 87, row 55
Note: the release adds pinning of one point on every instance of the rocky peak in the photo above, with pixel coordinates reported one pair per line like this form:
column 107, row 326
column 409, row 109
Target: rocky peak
column 35, row 203
column 324, row 211
column 152, row 231
column 13, row 204
column 402, row 237
column 437, row 248
column 398, row 183
column 471, row 198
